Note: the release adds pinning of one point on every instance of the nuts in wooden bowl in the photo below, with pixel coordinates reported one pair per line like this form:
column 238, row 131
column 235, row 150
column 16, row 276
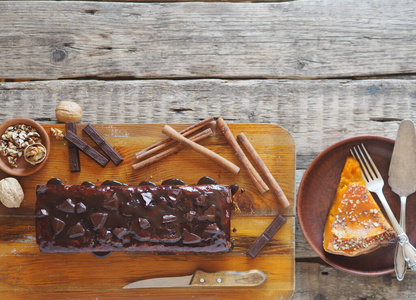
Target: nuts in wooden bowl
column 15, row 136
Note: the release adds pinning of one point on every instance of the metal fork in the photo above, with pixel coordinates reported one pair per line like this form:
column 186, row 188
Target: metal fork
column 375, row 183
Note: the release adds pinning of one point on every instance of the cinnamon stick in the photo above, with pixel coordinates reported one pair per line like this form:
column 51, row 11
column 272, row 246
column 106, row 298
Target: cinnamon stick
column 172, row 133
column 163, row 144
column 264, row 170
column 197, row 137
column 251, row 171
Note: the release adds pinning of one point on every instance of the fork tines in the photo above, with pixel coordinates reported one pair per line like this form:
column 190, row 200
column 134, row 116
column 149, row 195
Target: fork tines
column 370, row 170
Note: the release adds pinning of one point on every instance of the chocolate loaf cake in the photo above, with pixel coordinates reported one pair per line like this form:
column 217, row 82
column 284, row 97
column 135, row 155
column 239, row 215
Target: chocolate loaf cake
column 164, row 218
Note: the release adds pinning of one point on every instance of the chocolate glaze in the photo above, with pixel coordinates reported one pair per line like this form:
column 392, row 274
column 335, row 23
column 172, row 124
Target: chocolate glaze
column 206, row 180
column 244, row 201
column 54, row 181
column 166, row 218
column 112, row 183
column 147, row 183
column 234, row 188
column 173, row 181
column 102, row 254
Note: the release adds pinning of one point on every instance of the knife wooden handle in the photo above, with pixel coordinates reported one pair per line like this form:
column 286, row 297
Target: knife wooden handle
column 228, row 278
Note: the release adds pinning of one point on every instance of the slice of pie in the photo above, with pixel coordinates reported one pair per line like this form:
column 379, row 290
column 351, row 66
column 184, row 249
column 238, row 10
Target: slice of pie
column 355, row 224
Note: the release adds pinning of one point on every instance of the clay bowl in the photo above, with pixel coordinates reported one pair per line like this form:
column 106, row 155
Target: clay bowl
column 316, row 194
column 23, row 167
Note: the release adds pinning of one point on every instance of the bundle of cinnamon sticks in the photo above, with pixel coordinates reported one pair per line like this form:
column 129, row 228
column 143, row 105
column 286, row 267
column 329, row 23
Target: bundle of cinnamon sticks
column 191, row 141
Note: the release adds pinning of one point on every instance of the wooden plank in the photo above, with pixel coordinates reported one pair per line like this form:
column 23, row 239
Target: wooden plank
column 43, row 40
column 318, row 281
column 317, row 113
column 23, row 267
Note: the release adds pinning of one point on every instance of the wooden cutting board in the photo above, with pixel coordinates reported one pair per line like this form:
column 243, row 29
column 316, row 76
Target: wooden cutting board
column 26, row 272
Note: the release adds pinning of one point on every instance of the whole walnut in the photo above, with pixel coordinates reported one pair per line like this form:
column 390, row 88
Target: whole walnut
column 68, row 111
column 11, row 192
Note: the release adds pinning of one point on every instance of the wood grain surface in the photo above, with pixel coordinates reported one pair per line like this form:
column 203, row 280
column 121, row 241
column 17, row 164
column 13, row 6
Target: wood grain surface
column 86, row 273
column 304, row 108
column 347, row 69
column 296, row 39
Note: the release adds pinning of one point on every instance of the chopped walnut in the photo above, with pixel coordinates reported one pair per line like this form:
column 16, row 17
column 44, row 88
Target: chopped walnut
column 56, row 133
column 35, row 154
column 16, row 139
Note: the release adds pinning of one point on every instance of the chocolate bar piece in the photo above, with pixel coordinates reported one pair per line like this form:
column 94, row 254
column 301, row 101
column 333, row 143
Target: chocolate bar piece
column 262, row 240
column 164, row 218
column 101, row 142
column 87, row 149
column 74, row 163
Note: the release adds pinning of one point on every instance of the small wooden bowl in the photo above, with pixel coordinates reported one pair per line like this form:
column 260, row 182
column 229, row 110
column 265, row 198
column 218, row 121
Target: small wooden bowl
column 23, row 167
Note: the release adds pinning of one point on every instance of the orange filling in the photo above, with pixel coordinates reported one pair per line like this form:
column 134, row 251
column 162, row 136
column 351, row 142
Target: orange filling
column 355, row 224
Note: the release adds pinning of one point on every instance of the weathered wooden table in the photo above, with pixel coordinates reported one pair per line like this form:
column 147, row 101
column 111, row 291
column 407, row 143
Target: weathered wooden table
column 323, row 70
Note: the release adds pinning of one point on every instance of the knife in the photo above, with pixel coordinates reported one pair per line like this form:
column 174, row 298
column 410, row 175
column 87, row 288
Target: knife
column 402, row 180
column 200, row 278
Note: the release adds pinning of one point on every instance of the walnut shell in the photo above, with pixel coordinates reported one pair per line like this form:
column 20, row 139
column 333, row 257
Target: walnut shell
column 11, row 192
column 35, row 153
column 68, row 111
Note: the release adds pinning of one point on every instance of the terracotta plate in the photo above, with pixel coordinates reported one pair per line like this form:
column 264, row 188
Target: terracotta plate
column 317, row 191
column 23, row 167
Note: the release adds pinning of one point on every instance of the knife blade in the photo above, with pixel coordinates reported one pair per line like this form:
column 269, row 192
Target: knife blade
column 200, row 278
column 402, row 180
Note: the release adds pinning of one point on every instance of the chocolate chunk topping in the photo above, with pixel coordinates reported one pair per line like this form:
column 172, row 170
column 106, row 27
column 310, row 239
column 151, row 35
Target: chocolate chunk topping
column 212, row 228
column 104, row 236
column 190, row 215
column 144, row 223
column 67, row 206
column 147, row 198
column 120, row 232
column 190, row 238
column 133, row 218
column 111, row 203
column 173, row 195
column 169, row 218
column 209, row 214
column 81, row 208
column 41, row 189
column 98, row 219
column 41, row 213
column 57, row 225
column 201, row 200
column 76, row 231
column 87, row 183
